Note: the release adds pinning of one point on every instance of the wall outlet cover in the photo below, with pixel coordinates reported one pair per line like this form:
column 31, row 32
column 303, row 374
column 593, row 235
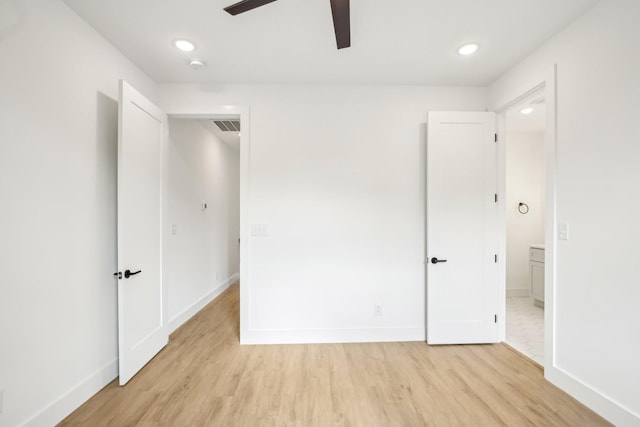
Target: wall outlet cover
column 377, row 310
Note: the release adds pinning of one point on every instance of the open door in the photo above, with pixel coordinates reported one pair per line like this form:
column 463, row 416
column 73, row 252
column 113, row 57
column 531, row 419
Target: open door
column 142, row 321
column 462, row 228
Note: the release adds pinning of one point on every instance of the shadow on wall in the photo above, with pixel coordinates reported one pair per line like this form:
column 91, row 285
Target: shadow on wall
column 106, row 166
column 12, row 16
column 423, row 194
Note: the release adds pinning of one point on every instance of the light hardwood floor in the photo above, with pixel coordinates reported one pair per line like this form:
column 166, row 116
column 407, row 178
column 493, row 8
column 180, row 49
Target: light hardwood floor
column 204, row 377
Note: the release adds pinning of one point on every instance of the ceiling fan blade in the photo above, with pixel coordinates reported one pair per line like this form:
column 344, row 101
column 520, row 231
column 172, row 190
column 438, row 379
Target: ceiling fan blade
column 245, row 5
column 341, row 22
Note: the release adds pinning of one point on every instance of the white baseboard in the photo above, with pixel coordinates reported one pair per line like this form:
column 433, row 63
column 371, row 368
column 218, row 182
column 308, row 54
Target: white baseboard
column 321, row 336
column 518, row 293
column 59, row 409
column 194, row 308
column 606, row 407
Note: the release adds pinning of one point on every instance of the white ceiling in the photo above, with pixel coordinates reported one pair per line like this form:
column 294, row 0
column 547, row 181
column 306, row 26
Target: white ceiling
column 292, row 41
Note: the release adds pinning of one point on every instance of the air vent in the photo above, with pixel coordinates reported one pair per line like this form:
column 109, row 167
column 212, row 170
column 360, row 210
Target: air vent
column 538, row 101
column 228, row 125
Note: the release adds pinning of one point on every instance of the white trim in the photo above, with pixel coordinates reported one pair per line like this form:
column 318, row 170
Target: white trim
column 520, row 98
column 549, row 88
column 194, row 308
column 550, row 218
column 204, row 112
column 323, row 336
column 518, row 293
column 60, row 408
column 586, row 394
column 604, row 405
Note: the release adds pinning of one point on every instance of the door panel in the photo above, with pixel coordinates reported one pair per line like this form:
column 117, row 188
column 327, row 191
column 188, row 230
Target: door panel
column 462, row 293
column 142, row 330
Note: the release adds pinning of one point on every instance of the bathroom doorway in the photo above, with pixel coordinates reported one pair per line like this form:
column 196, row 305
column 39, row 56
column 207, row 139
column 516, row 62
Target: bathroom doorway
column 525, row 226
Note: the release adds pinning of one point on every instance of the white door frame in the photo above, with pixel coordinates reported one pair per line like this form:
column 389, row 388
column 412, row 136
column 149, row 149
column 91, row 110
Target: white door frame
column 208, row 112
column 549, row 87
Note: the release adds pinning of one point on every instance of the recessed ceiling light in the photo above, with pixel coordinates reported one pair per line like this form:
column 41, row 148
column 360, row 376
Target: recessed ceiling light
column 184, row 45
column 197, row 64
column 468, row 49
column 527, row 110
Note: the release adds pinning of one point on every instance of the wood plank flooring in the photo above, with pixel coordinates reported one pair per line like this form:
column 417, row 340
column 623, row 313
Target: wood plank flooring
column 204, row 377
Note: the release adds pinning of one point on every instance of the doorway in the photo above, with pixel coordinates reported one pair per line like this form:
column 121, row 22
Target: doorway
column 193, row 182
column 209, row 112
column 202, row 223
column 524, row 137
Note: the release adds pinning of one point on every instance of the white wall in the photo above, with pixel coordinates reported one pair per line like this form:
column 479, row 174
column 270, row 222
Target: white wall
column 202, row 257
column 58, row 142
column 525, row 177
column 597, row 321
column 337, row 175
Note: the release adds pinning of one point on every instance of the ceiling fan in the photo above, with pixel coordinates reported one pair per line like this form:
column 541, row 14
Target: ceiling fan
column 339, row 10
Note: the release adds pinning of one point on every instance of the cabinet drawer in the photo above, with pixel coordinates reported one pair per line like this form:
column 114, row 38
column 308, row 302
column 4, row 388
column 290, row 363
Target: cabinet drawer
column 536, row 254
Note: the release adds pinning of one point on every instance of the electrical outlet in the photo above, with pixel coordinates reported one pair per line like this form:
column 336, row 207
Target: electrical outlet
column 174, row 229
column 216, row 275
column 377, row 310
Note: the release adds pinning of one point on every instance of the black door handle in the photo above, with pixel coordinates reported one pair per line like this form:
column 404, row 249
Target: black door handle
column 129, row 273
column 433, row 261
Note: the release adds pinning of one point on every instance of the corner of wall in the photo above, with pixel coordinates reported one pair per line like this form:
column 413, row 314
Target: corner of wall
column 68, row 402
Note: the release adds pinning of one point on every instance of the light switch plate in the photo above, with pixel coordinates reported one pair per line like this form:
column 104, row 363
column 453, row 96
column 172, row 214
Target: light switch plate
column 259, row 230
column 563, row 231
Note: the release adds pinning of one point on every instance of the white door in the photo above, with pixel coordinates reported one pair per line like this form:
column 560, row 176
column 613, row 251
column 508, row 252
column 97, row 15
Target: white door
column 462, row 232
column 142, row 321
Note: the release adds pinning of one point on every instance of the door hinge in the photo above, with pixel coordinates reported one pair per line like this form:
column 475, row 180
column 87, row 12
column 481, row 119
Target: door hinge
column 495, row 198
column 495, row 318
column 495, row 258
column 495, row 137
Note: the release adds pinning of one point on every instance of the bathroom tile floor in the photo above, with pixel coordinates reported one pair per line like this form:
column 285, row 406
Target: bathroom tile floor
column 525, row 327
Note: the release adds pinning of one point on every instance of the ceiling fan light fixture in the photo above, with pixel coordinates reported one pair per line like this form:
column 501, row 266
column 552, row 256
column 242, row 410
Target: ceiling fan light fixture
column 468, row 49
column 340, row 13
column 184, row 45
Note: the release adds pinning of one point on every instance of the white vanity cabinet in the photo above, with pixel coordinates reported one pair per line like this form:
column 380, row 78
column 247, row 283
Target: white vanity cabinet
column 536, row 273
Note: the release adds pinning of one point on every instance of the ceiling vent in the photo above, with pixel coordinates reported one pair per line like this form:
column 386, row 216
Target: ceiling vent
column 538, row 101
column 228, row 125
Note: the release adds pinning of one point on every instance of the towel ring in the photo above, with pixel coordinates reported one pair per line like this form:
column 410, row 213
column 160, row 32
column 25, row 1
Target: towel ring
column 523, row 208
